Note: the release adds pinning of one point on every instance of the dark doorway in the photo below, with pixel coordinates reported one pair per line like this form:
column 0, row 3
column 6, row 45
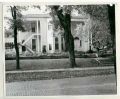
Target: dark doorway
column 34, row 44
column 56, row 43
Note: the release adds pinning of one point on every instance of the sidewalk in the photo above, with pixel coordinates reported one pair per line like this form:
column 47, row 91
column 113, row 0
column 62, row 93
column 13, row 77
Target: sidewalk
column 93, row 85
column 29, row 75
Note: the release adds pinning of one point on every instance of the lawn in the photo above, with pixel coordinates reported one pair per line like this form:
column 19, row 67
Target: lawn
column 40, row 64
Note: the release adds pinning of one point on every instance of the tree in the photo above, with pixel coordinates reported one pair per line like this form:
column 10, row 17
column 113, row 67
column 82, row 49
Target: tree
column 104, row 13
column 111, row 16
column 95, row 12
column 16, row 24
column 101, row 37
column 63, row 13
column 65, row 23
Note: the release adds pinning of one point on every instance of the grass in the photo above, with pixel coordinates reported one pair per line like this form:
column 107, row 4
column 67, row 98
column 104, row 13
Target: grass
column 40, row 64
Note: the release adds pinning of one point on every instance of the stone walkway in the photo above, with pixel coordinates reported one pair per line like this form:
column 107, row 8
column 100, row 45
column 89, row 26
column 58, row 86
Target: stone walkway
column 92, row 85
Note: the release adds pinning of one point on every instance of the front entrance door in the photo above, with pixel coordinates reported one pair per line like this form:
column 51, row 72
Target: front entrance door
column 56, row 44
column 34, row 44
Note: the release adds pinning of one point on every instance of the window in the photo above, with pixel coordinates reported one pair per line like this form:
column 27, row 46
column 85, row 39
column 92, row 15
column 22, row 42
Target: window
column 56, row 43
column 50, row 47
column 39, row 26
column 33, row 26
column 80, row 43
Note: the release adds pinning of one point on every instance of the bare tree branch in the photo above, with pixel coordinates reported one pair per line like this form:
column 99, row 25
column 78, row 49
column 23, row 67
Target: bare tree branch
column 12, row 11
column 60, row 15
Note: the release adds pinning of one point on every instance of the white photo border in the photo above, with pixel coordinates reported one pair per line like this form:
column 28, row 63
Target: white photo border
column 2, row 51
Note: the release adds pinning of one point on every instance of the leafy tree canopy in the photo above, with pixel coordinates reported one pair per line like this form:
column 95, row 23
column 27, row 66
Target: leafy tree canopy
column 19, row 22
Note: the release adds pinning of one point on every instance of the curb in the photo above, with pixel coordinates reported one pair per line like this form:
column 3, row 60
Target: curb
column 13, row 76
column 48, row 57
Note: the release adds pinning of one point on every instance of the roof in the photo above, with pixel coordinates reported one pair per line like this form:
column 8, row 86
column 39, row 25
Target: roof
column 37, row 16
column 48, row 16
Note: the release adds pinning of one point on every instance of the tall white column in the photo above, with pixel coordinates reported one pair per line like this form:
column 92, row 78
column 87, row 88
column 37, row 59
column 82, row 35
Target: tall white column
column 38, row 43
column 63, row 44
column 88, row 39
column 53, row 44
column 59, row 40
column 90, row 34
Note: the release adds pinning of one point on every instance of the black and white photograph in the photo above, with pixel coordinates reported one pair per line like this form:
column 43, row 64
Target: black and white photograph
column 57, row 50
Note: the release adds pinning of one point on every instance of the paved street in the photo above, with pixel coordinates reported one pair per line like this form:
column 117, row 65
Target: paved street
column 92, row 85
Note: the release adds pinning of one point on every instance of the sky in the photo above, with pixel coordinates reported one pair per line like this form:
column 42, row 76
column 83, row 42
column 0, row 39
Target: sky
column 30, row 10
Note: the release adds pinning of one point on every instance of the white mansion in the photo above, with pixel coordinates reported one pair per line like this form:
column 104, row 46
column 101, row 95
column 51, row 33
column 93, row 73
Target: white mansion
column 41, row 37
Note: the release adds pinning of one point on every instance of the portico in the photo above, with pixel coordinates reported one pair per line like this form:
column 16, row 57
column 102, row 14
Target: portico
column 35, row 37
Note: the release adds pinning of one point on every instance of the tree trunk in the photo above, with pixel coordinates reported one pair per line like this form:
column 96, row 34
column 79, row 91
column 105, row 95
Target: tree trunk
column 15, row 38
column 16, row 49
column 65, row 21
column 69, row 40
column 111, row 16
column 114, row 51
column 71, row 51
column 66, row 43
column 70, row 47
